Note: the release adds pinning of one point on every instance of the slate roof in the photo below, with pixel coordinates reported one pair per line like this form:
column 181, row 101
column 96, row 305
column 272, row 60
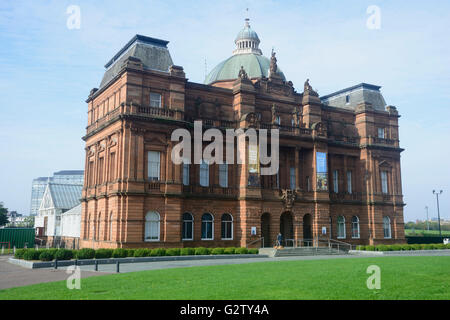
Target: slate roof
column 153, row 53
column 349, row 98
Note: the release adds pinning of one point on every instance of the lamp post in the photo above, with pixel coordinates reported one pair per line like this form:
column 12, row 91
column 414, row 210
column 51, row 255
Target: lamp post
column 439, row 217
column 428, row 222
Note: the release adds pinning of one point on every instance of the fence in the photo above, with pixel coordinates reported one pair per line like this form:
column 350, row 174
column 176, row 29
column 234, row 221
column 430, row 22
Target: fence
column 18, row 237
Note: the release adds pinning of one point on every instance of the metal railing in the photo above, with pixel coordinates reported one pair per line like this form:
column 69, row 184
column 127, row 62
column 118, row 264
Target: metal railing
column 315, row 243
column 255, row 241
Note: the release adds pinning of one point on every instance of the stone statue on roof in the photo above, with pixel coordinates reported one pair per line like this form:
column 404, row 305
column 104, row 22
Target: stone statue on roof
column 242, row 74
column 273, row 63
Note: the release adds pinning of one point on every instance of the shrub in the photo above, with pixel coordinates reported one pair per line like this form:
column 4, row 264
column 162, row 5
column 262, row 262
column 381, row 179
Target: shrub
column 32, row 254
column 370, row 248
column 439, row 246
column 361, row 248
column 158, row 252
column 119, row 253
column 428, row 246
column 46, row 256
column 447, row 245
column 217, row 251
column 143, row 252
column 230, row 250
column 201, row 251
column 241, row 251
column 103, row 253
column 85, row 253
column 416, row 246
column 130, row 252
column 396, row 247
column 173, row 252
column 187, row 251
column 253, row 251
column 19, row 253
column 381, row 247
column 63, row 254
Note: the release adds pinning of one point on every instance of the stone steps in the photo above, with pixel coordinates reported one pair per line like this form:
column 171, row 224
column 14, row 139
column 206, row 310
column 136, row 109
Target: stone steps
column 293, row 252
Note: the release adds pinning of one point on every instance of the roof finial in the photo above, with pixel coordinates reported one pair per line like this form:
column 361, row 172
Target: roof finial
column 247, row 20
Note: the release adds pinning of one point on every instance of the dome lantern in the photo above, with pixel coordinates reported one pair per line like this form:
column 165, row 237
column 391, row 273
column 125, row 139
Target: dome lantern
column 247, row 40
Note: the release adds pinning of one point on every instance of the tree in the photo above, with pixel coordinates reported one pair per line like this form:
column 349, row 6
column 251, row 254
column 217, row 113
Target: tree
column 3, row 212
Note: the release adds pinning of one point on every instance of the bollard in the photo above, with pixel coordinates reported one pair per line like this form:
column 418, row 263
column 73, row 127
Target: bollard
column 14, row 250
column 96, row 265
column 76, row 262
column 56, row 264
column 117, row 267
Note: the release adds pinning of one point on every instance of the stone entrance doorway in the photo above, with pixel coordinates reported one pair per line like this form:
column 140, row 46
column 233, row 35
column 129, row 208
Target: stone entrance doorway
column 265, row 229
column 287, row 229
column 307, row 232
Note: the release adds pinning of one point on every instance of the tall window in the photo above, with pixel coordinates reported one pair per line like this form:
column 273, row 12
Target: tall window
column 207, row 227
column 278, row 179
column 387, row 227
column 188, row 227
column 112, row 166
column 110, row 226
column 381, row 133
column 278, row 120
column 227, row 227
column 355, row 227
column 204, row 174
column 292, row 178
column 152, row 222
column 308, row 184
column 336, row 181
column 101, row 163
column 91, row 173
column 223, row 175
column 341, row 227
column 349, row 182
column 155, row 100
column 186, row 174
column 384, row 182
column 154, row 165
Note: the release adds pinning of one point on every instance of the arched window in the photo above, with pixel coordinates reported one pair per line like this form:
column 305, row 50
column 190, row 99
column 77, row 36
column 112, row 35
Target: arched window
column 207, row 227
column 187, row 227
column 341, row 227
column 387, row 227
column 355, row 227
column 227, row 226
column 152, row 222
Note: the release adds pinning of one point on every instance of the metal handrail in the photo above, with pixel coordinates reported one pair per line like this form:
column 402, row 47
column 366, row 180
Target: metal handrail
column 254, row 241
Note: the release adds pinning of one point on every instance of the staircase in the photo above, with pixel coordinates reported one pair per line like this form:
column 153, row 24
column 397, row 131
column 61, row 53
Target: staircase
column 308, row 251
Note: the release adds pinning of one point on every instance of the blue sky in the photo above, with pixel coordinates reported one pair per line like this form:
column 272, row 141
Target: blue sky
column 47, row 71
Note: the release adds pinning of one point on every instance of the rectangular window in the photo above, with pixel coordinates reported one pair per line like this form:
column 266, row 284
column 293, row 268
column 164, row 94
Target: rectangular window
column 278, row 120
column 91, row 173
column 292, row 178
column 384, row 182
column 204, row 174
column 154, row 165
column 349, row 181
column 381, row 133
column 185, row 174
column 335, row 181
column 223, row 175
column 101, row 163
column 278, row 179
column 112, row 164
column 308, row 184
column 155, row 100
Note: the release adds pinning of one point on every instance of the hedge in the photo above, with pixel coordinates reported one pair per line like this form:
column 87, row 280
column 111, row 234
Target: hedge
column 88, row 253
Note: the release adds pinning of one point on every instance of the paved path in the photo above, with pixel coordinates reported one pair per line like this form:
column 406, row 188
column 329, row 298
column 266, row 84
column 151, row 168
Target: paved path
column 12, row 275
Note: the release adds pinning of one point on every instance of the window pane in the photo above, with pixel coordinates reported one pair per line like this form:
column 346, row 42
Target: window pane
column 204, row 174
column 349, row 181
column 186, row 174
column 223, row 175
column 155, row 100
column 292, row 178
column 153, row 165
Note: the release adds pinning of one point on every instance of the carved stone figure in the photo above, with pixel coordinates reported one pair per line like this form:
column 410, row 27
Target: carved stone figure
column 273, row 64
column 242, row 74
column 288, row 196
column 274, row 114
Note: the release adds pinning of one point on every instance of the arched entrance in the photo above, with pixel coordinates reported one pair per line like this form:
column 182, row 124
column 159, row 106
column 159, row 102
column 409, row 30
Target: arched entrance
column 265, row 229
column 287, row 228
column 307, row 232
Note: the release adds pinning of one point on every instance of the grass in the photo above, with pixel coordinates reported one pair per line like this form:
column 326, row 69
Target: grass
column 401, row 278
column 415, row 232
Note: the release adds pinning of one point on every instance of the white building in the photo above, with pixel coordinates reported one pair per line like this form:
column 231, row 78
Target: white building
column 71, row 222
column 57, row 200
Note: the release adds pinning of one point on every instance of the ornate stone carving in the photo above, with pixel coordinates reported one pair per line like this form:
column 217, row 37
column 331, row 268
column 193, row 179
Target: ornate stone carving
column 308, row 90
column 288, row 196
column 242, row 74
column 274, row 114
column 273, row 64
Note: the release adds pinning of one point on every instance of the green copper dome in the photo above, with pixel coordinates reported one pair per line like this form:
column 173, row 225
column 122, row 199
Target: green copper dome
column 248, row 55
column 256, row 66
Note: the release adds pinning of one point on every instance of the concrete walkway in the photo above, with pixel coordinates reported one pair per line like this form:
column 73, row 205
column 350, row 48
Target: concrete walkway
column 15, row 276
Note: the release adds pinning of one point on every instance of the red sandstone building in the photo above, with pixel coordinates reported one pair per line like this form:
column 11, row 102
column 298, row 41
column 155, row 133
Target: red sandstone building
column 339, row 176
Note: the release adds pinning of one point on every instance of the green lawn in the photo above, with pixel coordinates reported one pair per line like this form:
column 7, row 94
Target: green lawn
column 401, row 278
column 410, row 232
